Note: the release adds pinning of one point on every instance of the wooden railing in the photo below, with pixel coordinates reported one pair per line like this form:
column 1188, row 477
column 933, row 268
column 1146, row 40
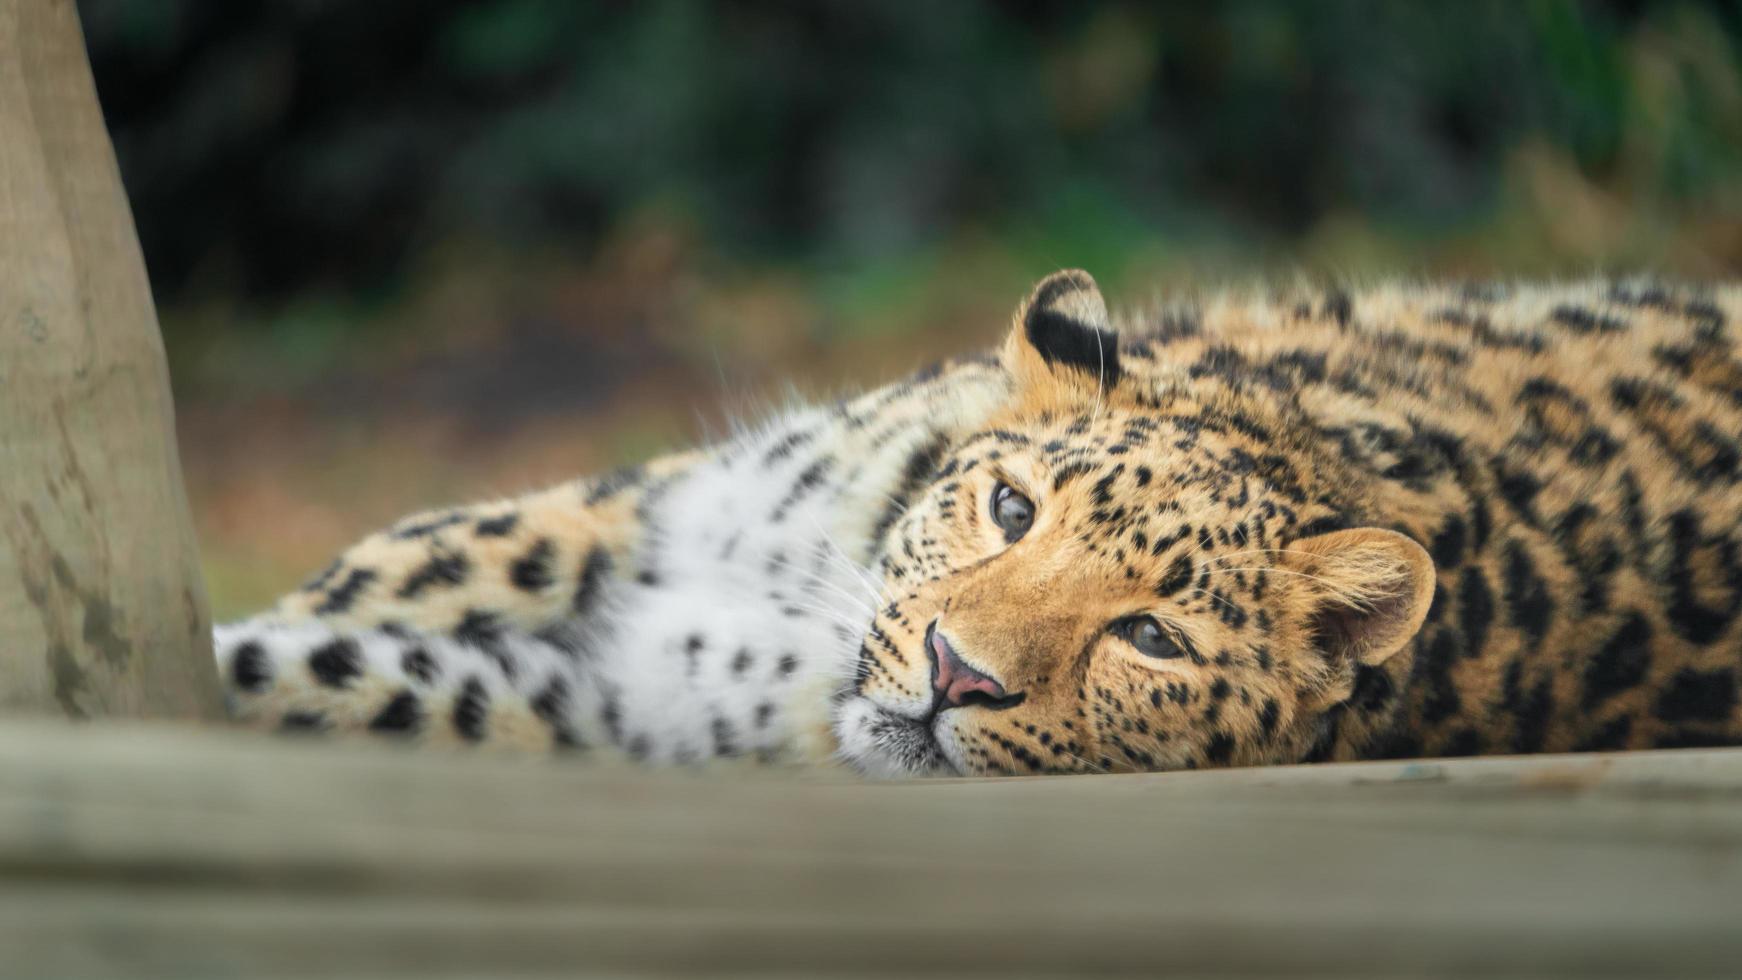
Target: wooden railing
column 154, row 852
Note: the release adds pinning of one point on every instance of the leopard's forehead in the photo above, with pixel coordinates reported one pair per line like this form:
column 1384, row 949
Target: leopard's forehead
column 1152, row 476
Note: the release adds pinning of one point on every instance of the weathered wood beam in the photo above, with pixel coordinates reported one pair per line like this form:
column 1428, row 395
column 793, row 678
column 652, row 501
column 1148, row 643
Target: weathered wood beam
column 102, row 609
column 142, row 852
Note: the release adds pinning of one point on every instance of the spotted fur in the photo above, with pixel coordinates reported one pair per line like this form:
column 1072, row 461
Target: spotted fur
column 1433, row 520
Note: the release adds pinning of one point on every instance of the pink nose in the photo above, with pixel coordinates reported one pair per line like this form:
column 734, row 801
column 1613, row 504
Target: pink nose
column 958, row 684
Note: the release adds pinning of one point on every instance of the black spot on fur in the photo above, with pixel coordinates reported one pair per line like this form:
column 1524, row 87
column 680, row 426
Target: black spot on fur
column 1481, row 523
column 1581, row 320
column 483, row 630
column 1711, row 455
column 401, row 715
column 1219, row 749
column 1697, row 695
column 479, row 628
column 497, row 527
column 1373, row 690
column 1528, row 603
column 1221, row 361
column 1325, row 741
column 1179, row 575
column 343, row 596
column 424, row 527
column 1433, row 666
column 922, row 464
column 1594, row 447
column 1102, row 492
column 1322, row 525
column 531, row 572
column 1519, row 489
column 336, row 663
column 1448, row 543
column 784, row 447
column 1338, row 307
column 1591, row 552
column 551, row 705
column 1620, row 663
column 564, row 637
column 593, row 572
column 1292, row 369
column 444, row 568
column 1267, row 717
column 416, row 662
column 1475, row 610
column 1693, row 618
column 250, row 668
column 1066, row 474
column 809, row 479
column 1633, row 393
column 471, row 710
column 1175, row 325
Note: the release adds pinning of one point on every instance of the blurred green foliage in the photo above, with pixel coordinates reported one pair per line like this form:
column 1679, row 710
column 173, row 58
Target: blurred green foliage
column 278, row 147
column 414, row 251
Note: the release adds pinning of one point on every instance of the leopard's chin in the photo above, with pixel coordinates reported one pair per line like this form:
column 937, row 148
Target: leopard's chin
column 884, row 744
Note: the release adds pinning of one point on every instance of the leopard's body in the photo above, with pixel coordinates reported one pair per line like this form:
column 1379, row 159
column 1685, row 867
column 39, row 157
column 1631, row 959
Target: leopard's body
column 1401, row 521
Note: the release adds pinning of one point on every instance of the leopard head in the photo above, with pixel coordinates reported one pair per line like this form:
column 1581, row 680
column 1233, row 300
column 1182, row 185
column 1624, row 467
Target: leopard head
column 1127, row 568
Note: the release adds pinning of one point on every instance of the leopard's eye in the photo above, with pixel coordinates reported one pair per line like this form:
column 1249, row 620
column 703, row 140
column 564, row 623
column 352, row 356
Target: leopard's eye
column 1149, row 637
column 1011, row 511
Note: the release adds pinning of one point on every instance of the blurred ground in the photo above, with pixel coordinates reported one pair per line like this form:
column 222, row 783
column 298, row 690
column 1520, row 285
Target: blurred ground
column 417, row 251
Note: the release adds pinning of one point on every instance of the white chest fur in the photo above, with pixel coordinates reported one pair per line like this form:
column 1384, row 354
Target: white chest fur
column 747, row 609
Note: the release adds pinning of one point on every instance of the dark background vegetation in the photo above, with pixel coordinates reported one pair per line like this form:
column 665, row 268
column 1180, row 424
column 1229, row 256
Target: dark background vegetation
column 409, row 251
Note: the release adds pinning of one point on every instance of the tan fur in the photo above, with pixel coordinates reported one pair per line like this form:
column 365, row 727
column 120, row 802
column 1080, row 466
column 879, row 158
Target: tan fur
column 561, row 515
column 1408, row 520
column 1568, row 450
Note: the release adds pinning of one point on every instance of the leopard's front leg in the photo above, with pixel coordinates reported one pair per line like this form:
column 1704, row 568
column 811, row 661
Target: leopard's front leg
column 465, row 624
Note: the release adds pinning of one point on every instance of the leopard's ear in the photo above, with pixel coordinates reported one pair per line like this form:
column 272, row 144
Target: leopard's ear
column 1364, row 592
column 1061, row 338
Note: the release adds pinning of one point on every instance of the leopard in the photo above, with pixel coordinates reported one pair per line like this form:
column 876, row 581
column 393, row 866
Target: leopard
column 1280, row 525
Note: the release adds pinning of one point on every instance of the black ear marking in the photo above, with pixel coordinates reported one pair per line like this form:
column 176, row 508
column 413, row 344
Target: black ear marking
column 1065, row 322
column 1054, row 287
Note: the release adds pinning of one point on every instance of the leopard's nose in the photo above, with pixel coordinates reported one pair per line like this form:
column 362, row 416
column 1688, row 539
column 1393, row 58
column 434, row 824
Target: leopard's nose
column 958, row 685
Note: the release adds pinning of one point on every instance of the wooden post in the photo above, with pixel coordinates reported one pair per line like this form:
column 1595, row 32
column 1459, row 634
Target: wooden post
column 102, row 610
